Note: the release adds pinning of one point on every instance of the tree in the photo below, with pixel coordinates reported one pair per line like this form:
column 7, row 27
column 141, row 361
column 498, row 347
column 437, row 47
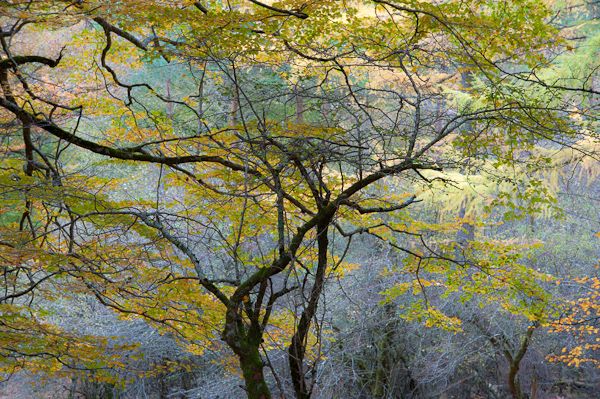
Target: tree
column 268, row 192
column 581, row 320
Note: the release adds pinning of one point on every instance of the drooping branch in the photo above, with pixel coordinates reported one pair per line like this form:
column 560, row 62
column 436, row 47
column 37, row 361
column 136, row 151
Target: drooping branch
column 120, row 32
column 201, row 7
column 120, row 153
column 29, row 59
column 293, row 13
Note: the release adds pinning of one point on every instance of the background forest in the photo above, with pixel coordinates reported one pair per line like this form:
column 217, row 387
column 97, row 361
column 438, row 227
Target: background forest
column 300, row 199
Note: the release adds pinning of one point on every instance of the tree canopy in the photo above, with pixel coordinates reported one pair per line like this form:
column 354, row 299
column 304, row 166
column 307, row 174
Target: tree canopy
column 209, row 167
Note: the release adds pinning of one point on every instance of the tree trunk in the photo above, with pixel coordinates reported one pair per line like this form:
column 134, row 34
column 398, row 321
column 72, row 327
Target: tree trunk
column 234, row 106
column 466, row 234
column 245, row 342
column 515, row 363
column 299, row 105
column 513, row 385
column 252, row 369
column 297, row 348
column 169, row 106
column 534, row 388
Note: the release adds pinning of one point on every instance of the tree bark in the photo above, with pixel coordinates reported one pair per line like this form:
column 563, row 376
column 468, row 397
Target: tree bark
column 515, row 363
column 299, row 105
column 170, row 110
column 245, row 342
column 297, row 348
column 234, row 106
column 253, row 371
column 513, row 385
